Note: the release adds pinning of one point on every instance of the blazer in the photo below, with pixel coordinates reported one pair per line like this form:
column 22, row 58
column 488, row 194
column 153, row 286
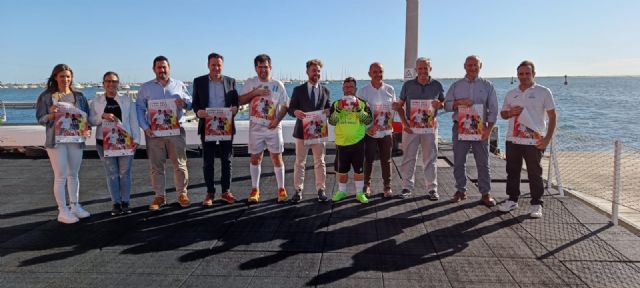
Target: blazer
column 300, row 101
column 129, row 115
column 201, row 97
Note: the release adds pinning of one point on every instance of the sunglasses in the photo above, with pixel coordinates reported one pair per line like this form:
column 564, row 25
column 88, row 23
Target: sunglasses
column 112, row 81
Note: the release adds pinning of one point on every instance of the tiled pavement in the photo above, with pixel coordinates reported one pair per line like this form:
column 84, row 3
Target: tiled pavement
column 387, row 243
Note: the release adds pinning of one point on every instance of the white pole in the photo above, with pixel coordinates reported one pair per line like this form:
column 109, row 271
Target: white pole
column 556, row 168
column 411, row 39
column 616, row 182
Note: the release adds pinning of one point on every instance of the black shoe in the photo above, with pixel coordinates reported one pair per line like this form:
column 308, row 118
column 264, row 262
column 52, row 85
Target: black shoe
column 322, row 197
column 116, row 210
column 433, row 195
column 125, row 208
column 296, row 197
column 405, row 193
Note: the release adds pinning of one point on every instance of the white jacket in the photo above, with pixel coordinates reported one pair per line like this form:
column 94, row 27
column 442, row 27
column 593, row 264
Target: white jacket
column 129, row 118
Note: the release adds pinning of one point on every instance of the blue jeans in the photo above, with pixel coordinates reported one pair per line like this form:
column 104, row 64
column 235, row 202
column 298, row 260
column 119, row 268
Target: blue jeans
column 480, row 154
column 118, row 175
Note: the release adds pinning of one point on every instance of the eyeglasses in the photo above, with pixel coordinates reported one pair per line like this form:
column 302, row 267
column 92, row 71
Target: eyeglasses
column 112, row 81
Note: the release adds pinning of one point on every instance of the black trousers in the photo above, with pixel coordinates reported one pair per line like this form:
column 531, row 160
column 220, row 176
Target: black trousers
column 209, row 150
column 531, row 155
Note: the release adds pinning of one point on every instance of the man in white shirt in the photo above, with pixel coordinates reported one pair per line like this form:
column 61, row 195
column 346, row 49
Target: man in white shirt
column 537, row 101
column 375, row 93
column 262, row 136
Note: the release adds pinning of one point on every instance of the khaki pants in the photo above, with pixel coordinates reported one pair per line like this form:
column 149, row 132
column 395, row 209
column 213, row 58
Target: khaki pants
column 320, row 168
column 175, row 147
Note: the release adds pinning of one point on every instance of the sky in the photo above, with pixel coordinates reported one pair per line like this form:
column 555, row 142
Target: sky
column 568, row 37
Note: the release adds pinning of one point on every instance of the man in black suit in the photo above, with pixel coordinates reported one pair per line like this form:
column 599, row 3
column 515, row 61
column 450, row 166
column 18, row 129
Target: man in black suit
column 310, row 96
column 209, row 91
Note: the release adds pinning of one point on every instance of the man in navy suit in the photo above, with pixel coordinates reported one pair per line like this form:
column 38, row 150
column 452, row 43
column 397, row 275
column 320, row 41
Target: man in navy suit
column 310, row 96
column 211, row 91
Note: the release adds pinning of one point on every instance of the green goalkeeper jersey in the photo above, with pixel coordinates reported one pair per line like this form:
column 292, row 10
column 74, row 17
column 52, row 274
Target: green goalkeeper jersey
column 350, row 115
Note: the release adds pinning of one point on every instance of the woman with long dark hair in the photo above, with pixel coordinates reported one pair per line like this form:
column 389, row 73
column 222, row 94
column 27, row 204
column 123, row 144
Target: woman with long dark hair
column 65, row 158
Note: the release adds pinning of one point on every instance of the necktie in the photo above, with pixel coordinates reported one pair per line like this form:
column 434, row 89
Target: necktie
column 312, row 97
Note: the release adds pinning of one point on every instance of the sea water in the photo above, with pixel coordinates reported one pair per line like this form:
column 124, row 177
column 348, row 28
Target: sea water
column 602, row 108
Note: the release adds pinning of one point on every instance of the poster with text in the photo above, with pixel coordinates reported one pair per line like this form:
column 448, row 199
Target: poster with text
column 314, row 127
column 116, row 141
column 71, row 125
column 163, row 117
column 382, row 120
column 263, row 110
column 422, row 118
column 470, row 122
column 524, row 130
column 218, row 124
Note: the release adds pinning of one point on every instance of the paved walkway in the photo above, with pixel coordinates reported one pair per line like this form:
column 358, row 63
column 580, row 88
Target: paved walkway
column 387, row 243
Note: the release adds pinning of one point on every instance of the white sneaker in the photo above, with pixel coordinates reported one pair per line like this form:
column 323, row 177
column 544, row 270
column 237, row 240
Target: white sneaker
column 65, row 216
column 507, row 206
column 77, row 210
column 536, row 211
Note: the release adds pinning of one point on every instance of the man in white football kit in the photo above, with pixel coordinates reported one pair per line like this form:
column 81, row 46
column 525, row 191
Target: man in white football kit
column 269, row 136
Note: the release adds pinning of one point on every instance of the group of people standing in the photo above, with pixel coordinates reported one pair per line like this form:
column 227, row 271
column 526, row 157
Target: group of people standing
column 358, row 140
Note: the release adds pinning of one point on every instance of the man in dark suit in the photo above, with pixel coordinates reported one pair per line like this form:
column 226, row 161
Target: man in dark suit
column 211, row 91
column 310, row 96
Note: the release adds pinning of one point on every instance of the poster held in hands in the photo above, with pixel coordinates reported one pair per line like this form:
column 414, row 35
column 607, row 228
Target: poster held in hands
column 163, row 118
column 218, row 124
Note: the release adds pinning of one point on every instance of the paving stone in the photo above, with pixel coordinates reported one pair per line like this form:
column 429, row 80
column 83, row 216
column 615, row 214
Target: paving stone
column 32, row 280
column 476, row 270
column 589, row 249
column 341, row 265
column 228, row 263
column 218, row 281
column 351, row 243
column 289, row 265
column 606, row 274
column 531, row 271
column 389, row 242
column 107, row 261
column 37, row 261
column 461, row 246
column 353, row 283
column 419, row 267
column 277, row 282
column 298, row 241
column 414, row 283
column 511, row 247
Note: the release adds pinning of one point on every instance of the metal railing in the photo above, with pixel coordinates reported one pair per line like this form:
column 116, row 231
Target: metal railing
column 596, row 168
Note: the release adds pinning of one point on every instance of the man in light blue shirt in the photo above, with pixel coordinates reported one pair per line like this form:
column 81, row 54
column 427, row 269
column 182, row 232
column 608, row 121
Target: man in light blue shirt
column 158, row 148
column 467, row 92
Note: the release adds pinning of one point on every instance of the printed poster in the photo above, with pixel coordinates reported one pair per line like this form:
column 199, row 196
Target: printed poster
column 71, row 125
column 422, row 118
column 470, row 123
column 116, row 141
column 524, row 130
column 314, row 127
column 382, row 120
column 218, row 124
column 263, row 109
column 163, row 117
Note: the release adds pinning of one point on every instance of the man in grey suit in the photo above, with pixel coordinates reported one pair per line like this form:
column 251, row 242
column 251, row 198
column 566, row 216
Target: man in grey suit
column 310, row 96
column 210, row 91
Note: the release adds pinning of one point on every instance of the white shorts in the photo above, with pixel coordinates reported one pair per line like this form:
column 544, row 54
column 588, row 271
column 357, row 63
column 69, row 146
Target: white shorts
column 260, row 138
